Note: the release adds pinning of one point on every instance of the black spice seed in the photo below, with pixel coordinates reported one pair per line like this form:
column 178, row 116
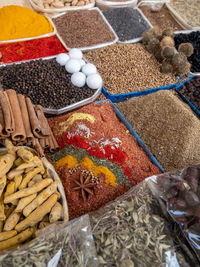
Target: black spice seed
column 127, row 22
column 194, row 39
column 45, row 82
column 191, row 90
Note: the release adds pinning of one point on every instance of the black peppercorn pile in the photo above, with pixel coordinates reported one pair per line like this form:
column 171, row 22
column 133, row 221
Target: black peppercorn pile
column 194, row 39
column 127, row 22
column 45, row 82
column 191, row 90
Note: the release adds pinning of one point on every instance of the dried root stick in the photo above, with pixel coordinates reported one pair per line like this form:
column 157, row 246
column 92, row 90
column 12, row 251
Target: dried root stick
column 10, row 189
column 23, row 202
column 56, row 213
column 40, row 198
column 11, row 221
column 25, row 154
column 7, row 235
column 3, row 181
column 29, row 191
column 28, row 177
column 14, row 173
column 2, row 213
column 6, row 162
column 13, row 241
column 17, row 180
column 38, row 214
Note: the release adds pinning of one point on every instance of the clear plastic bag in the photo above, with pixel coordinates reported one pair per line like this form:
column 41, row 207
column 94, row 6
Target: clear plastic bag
column 155, row 5
column 64, row 244
column 131, row 232
column 179, row 193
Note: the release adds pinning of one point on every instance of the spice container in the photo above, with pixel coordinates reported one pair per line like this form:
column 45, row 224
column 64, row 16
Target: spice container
column 121, row 97
column 128, row 23
column 69, row 7
column 105, row 5
column 59, row 78
column 189, row 91
column 88, row 29
column 185, row 6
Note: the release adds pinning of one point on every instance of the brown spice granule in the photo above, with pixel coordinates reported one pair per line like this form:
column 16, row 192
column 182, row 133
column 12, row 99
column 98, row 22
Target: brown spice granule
column 83, row 28
column 161, row 18
column 128, row 67
column 167, row 126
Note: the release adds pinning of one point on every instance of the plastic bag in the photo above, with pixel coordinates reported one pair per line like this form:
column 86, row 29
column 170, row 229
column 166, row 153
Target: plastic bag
column 179, row 192
column 64, row 244
column 155, row 5
column 130, row 232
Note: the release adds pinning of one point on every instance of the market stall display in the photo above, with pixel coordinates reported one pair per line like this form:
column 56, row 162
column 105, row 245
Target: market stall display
column 141, row 71
column 99, row 160
column 24, row 123
column 128, row 23
column 28, row 194
column 110, row 4
column 46, row 83
column 32, row 49
column 192, row 37
column 171, row 129
column 25, row 22
column 84, row 29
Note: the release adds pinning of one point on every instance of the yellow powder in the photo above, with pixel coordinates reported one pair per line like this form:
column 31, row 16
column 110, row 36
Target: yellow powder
column 73, row 118
column 96, row 170
column 21, row 22
column 67, row 160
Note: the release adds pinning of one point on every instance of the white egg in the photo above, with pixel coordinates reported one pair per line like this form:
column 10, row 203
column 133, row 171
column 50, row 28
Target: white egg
column 94, row 81
column 62, row 59
column 78, row 79
column 73, row 65
column 82, row 62
column 89, row 69
column 75, row 53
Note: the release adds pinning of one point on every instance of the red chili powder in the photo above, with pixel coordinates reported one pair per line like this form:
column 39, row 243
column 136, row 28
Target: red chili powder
column 19, row 51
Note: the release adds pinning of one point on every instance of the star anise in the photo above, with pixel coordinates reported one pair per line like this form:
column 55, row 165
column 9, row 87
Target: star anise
column 84, row 185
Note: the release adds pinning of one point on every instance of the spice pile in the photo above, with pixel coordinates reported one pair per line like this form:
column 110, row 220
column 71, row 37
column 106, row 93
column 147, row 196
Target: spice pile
column 191, row 90
column 24, row 123
column 44, row 47
column 182, row 196
column 45, row 82
column 27, row 196
column 161, row 18
column 128, row 23
column 25, row 22
column 189, row 10
column 128, row 67
column 97, row 152
column 83, row 28
column 129, row 231
column 62, row 3
column 194, row 39
column 171, row 130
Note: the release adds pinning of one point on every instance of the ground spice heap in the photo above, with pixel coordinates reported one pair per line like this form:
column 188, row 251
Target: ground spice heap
column 43, row 47
column 127, row 22
column 161, row 18
column 21, row 22
column 191, row 90
column 92, row 139
column 167, row 126
column 45, row 82
column 83, row 28
column 189, row 10
column 128, row 67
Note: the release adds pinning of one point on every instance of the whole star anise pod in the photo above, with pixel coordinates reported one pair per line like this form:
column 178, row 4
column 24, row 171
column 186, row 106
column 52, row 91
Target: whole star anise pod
column 84, row 185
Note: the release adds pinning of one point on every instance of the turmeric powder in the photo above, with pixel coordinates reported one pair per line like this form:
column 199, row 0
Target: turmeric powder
column 67, row 160
column 21, row 22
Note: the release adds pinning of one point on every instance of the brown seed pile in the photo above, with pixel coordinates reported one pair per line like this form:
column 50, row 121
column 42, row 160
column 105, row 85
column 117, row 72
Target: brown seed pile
column 161, row 18
column 128, row 67
column 167, row 126
column 83, row 28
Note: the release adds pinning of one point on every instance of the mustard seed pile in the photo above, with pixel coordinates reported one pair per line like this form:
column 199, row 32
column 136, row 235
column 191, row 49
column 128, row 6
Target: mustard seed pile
column 167, row 126
column 128, row 67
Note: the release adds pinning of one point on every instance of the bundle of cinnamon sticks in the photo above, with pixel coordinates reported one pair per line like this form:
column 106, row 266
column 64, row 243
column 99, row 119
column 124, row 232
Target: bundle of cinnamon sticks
column 24, row 123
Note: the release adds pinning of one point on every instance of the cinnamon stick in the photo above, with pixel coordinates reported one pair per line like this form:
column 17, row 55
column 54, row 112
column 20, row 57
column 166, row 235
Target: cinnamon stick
column 19, row 134
column 42, row 120
column 42, row 142
column 35, row 124
column 39, row 148
column 9, row 126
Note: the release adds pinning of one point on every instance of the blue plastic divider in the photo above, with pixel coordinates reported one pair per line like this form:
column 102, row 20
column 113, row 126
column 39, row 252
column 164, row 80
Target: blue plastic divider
column 139, row 140
column 121, row 97
column 185, row 98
